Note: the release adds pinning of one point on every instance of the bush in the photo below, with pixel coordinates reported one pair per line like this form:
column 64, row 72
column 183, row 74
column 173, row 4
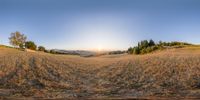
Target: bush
column 155, row 48
column 52, row 51
column 149, row 49
column 41, row 48
column 130, row 50
column 30, row 45
column 47, row 51
column 116, row 52
column 143, row 51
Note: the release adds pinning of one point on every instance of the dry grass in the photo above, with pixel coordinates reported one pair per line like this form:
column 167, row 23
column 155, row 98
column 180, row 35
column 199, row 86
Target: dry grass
column 169, row 73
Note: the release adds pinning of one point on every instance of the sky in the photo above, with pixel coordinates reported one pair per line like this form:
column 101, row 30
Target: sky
column 100, row 24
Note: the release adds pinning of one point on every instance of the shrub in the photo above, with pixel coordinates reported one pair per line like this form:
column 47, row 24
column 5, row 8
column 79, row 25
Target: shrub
column 52, row 51
column 143, row 51
column 41, row 48
column 155, row 48
column 116, row 52
column 130, row 50
column 31, row 45
column 149, row 49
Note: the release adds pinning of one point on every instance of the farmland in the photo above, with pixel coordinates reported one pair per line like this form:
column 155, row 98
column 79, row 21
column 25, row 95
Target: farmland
column 168, row 73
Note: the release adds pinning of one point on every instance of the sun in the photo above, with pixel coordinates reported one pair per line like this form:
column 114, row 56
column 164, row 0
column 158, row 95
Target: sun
column 99, row 48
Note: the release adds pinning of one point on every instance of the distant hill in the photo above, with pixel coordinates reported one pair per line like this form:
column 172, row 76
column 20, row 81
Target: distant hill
column 82, row 53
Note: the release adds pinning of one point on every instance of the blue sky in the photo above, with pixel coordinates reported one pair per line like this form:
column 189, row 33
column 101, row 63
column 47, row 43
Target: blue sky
column 100, row 24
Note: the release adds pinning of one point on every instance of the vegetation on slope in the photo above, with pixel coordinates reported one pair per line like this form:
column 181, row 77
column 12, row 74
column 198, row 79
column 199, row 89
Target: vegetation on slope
column 146, row 46
column 19, row 41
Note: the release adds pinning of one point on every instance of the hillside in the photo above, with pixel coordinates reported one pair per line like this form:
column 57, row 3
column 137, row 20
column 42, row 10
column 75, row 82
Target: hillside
column 75, row 52
column 173, row 73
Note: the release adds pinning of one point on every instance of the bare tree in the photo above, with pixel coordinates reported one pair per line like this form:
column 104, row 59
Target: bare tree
column 17, row 39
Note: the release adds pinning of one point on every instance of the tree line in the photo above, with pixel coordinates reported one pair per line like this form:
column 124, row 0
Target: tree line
column 146, row 46
column 19, row 40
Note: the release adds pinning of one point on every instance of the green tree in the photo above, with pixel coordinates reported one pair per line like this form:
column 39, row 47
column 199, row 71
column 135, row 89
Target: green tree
column 160, row 43
column 130, row 50
column 52, row 52
column 17, row 39
column 143, row 44
column 31, row 45
column 41, row 48
column 151, row 43
column 136, row 50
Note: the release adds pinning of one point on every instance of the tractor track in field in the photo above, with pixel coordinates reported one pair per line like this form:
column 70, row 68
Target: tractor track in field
column 40, row 75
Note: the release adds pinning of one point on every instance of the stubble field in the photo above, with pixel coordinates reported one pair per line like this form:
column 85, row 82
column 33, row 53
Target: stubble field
column 173, row 73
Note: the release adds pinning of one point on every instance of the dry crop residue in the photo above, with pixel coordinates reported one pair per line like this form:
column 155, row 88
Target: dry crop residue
column 170, row 73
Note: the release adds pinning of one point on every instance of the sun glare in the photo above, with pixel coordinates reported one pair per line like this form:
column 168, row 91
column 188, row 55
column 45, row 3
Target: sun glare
column 99, row 48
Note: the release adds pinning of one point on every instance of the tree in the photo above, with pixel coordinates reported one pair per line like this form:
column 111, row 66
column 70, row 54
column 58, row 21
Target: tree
column 41, row 48
column 143, row 47
column 151, row 43
column 130, row 50
column 136, row 50
column 31, row 45
column 52, row 52
column 17, row 39
column 144, row 44
column 160, row 43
